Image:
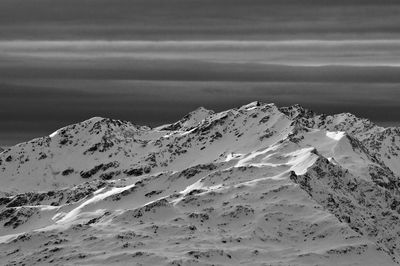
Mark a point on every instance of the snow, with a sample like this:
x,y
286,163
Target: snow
x,y
8,238
335,135
52,135
301,160
253,185
72,215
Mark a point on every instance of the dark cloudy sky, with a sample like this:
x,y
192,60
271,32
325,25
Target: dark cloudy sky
x,y
152,61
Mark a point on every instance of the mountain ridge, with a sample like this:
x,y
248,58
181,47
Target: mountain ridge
x,y
206,177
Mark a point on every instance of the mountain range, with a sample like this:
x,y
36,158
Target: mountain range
x,y
254,185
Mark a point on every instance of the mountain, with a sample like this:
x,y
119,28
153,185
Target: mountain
x,y
254,185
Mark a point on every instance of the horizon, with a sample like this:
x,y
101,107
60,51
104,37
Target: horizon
x,y
382,124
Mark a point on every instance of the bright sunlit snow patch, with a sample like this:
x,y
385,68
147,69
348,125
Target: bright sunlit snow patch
x,y
302,160
98,197
335,135
251,105
47,207
52,135
250,158
7,238
196,185
233,156
187,132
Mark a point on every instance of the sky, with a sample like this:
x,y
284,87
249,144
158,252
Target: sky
x,y
152,61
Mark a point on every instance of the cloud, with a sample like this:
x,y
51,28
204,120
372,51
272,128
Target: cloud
x,y
198,19
284,52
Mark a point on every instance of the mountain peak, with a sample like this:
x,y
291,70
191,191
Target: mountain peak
x,y
252,104
200,112
255,104
188,121
94,119
297,111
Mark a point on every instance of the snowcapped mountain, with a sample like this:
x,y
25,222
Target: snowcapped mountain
x,y
254,185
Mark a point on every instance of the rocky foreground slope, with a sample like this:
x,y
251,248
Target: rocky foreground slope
x,y
255,185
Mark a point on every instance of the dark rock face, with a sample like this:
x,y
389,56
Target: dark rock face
x,y
191,172
138,171
53,198
359,203
14,217
97,168
67,171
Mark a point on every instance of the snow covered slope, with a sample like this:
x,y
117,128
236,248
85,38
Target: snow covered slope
x,y
254,185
